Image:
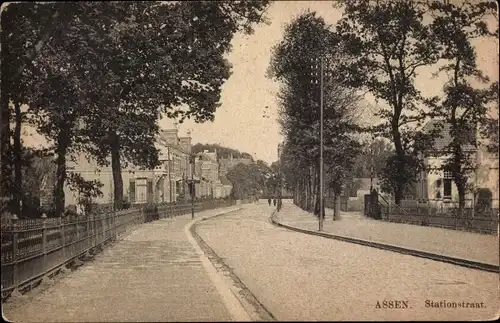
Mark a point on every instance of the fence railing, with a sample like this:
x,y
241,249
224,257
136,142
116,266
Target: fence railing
x,y
34,248
467,219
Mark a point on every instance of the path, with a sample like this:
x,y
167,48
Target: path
x,y
153,274
453,243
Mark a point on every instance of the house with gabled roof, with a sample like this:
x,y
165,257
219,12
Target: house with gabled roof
x,y
227,187
435,183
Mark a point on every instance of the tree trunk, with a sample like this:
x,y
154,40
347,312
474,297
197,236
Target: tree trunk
x,y
400,165
308,192
61,150
117,171
5,162
314,195
336,206
17,187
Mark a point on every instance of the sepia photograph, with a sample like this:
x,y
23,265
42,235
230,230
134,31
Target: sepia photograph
x,y
249,160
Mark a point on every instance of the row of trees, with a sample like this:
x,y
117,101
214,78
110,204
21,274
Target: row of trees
x,y
222,152
293,64
95,77
256,179
379,47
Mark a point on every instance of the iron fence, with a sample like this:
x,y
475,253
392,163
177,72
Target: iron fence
x,y
448,216
34,248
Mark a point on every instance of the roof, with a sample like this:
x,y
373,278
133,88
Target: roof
x,y
443,138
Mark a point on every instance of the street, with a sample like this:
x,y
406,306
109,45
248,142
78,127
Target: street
x,y
302,277
157,273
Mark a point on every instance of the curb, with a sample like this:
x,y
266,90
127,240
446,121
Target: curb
x,y
254,310
411,252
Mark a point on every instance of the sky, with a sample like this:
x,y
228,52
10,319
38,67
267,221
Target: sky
x,y
240,123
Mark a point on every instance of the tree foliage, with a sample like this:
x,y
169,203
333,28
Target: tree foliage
x,y
372,159
98,75
307,37
463,107
222,152
247,181
387,42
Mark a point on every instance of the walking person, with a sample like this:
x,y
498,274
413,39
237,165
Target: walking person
x,y
269,201
274,202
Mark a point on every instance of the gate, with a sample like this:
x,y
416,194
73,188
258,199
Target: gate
x,y
344,203
372,208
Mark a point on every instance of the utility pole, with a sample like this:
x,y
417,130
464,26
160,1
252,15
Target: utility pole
x,y
192,186
371,166
321,175
321,148
169,175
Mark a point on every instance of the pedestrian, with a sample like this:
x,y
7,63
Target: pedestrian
x,y
274,202
269,201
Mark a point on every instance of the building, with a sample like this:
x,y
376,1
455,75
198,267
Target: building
x,y
208,166
227,187
225,164
436,186
166,183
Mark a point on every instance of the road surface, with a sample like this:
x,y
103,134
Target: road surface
x,y
302,277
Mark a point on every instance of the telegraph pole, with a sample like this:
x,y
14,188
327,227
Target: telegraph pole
x,y
192,186
321,179
321,148
169,176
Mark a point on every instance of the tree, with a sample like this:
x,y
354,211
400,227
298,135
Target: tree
x,y
463,107
387,41
247,180
291,64
143,58
168,59
374,154
222,151
23,36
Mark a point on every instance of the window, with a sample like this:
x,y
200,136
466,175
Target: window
x,y
131,190
149,191
447,185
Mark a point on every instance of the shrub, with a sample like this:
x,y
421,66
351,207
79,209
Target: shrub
x,y
484,199
126,204
150,212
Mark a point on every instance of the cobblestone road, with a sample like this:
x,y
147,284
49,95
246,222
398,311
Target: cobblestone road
x,y
460,244
153,274
302,277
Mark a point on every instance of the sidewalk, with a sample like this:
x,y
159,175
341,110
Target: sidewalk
x,y
153,274
458,244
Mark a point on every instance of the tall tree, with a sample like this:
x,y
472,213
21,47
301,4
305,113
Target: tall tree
x,y
164,58
307,37
464,107
388,42
26,28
